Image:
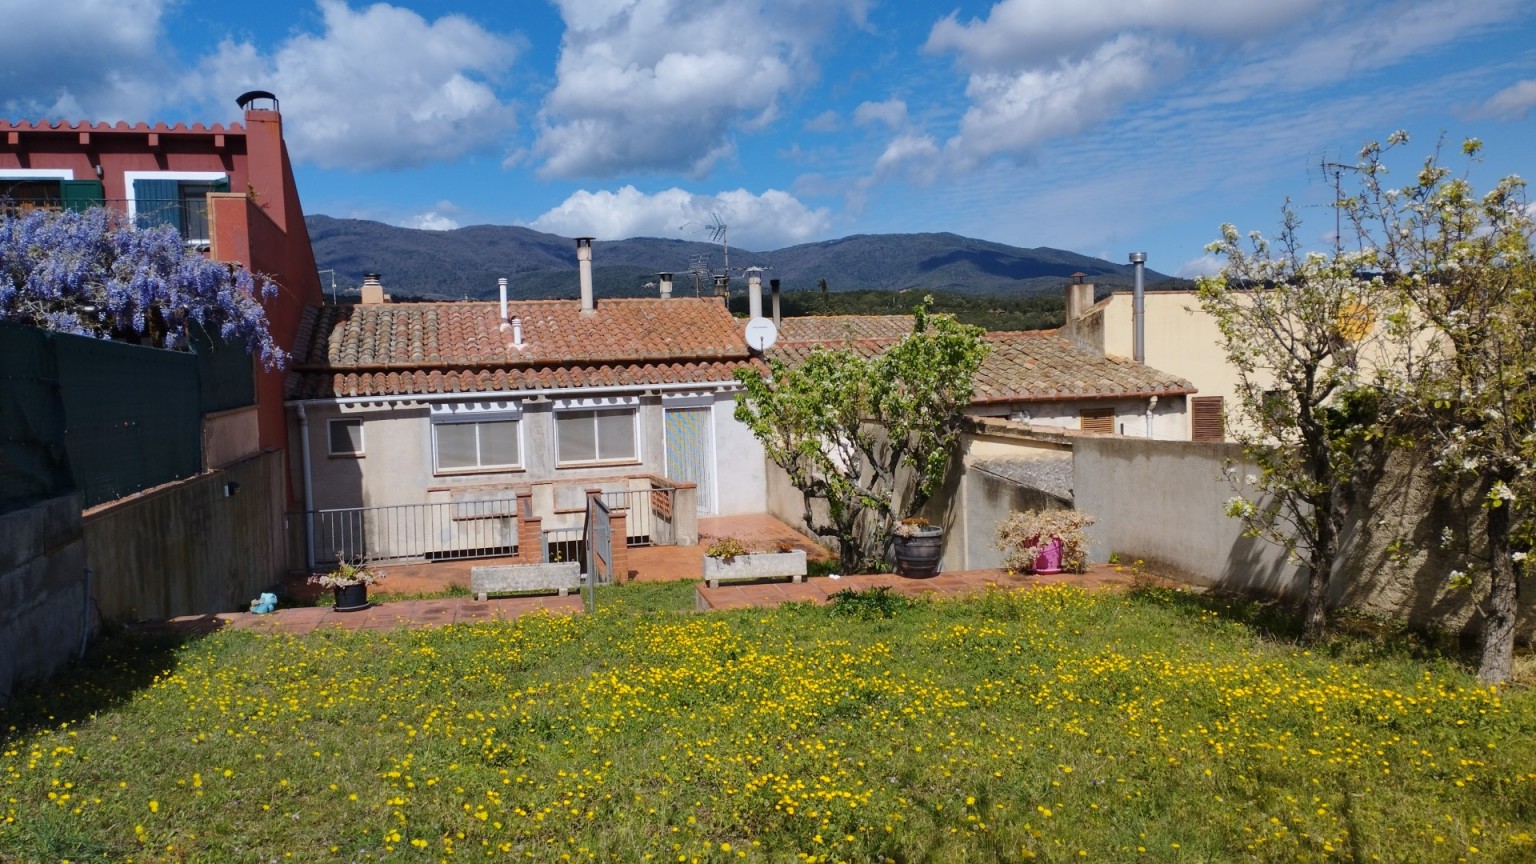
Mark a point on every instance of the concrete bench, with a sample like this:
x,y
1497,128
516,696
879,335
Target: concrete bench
x,y
562,576
755,565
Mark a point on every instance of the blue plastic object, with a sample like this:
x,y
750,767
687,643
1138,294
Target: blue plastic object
x,y
264,604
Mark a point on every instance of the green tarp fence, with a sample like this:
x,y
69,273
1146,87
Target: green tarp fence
x,y
106,418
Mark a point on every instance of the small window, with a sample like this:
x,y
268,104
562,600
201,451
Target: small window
x,y
1096,420
477,446
1206,422
346,437
596,436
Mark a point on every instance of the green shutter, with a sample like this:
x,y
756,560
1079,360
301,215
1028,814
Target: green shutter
x,y
221,184
82,194
157,202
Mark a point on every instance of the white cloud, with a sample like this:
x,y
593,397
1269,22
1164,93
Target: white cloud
x,y
379,88
1014,111
1030,32
767,221
1513,102
662,84
439,218
891,112
82,60
910,157
1205,265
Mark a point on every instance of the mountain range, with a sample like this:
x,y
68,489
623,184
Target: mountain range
x,y
466,262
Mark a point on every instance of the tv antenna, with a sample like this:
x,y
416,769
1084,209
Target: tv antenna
x,y
698,268
1330,169
719,232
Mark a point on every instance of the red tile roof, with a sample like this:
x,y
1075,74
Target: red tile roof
x,y
1028,366
420,348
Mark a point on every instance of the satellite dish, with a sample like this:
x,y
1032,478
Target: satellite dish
x,y
761,334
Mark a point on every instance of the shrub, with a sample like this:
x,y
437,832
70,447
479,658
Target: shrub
x,y
1022,534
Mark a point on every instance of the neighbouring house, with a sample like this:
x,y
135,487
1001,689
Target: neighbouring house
x,y
1035,377
441,410
1178,336
228,190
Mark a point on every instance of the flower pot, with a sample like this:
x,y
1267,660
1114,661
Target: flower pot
x,y
1048,559
351,598
917,557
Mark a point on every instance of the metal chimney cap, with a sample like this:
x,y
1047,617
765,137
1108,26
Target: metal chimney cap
x,y
1138,257
245,99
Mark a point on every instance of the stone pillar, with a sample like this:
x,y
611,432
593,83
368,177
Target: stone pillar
x,y
685,514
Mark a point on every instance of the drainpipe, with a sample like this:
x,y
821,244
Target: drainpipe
x,y
309,491
1139,308
85,615
1151,404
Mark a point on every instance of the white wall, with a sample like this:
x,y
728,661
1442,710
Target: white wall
x,y
1170,421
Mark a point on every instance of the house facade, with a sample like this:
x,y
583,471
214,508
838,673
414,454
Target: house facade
x,y
422,404
228,190
1035,377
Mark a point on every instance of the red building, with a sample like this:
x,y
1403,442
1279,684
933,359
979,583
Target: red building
x,y
228,190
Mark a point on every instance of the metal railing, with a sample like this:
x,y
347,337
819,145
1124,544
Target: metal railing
x,y
189,216
564,544
422,532
648,514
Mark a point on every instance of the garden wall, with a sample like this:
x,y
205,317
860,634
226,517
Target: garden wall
x,y
188,547
43,602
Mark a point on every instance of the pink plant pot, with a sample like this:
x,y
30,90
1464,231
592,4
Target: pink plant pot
x,y
1048,559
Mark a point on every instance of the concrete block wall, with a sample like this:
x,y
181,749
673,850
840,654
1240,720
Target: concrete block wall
x,y
43,601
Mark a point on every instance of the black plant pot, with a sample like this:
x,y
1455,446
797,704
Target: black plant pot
x,y
352,598
917,557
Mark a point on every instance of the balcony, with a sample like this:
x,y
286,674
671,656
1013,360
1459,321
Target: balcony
x,y
187,214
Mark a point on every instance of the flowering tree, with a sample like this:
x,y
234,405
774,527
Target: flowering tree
x,y
1294,325
1464,264
88,273
870,436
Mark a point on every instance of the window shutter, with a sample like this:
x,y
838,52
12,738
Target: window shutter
x,y
1097,420
221,185
82,194
1206,423
157,202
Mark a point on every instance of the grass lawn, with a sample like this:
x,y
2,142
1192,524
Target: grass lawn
x,y
1045,725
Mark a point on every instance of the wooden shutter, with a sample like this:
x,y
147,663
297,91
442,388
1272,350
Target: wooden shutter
x,y
157,202
82,194
1206,422
1097,420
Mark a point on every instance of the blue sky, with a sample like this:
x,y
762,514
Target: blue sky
x,y
1099,126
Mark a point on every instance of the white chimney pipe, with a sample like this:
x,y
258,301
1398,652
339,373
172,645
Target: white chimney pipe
x,y
502,284
666,285
517,332
754,292
584,262
1139,308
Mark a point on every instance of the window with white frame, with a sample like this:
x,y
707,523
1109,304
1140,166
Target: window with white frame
x,y
476,436
346,436
175,198
477,445
596,435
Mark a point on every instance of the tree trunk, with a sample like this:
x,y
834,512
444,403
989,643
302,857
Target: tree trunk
x,y
1497,661
1319,569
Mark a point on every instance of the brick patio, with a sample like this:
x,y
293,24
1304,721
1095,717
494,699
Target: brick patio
x,y
646,564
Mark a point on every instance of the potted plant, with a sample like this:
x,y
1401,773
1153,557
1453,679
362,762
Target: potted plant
x,y
728,559
918,546
1044,541
350,581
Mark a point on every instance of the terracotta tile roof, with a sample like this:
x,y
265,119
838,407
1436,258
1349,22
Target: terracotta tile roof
x,y
1029,366
843,328
419,348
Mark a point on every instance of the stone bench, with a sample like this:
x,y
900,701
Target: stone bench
x,y
755,565
562,576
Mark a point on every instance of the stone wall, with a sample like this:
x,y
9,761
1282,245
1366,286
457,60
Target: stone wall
x,y
43,599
